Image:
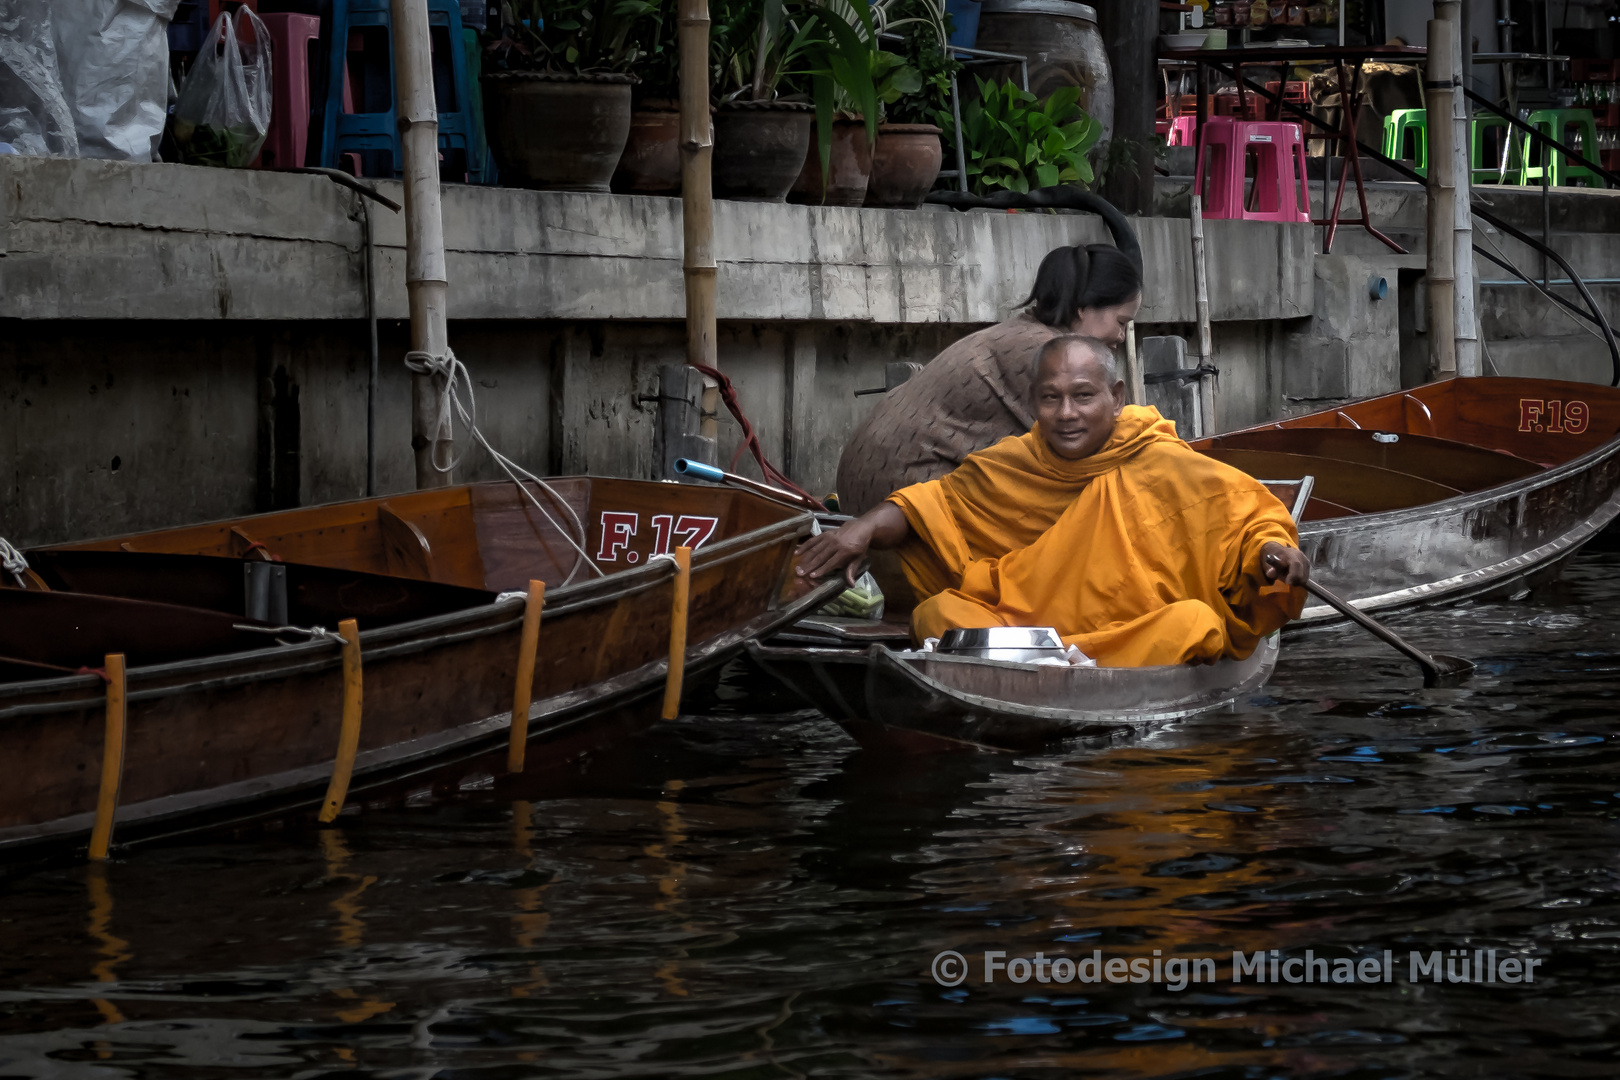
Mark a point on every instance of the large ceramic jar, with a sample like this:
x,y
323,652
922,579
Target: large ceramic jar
x,y
849,169
905,164
557,132
759,149
1064,47
651,163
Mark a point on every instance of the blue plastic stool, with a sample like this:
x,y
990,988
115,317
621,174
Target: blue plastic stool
x,y
372,130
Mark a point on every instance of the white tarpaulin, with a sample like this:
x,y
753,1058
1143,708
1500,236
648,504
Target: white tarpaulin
x,y
84,78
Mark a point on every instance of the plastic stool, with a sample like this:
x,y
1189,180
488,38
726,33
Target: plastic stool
x,y
1397,126
1488,170
373,130
1278,151
1184,131
1556,167
292,78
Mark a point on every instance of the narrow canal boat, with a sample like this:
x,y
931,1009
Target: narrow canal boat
x,y
244,715
1467,488
882,694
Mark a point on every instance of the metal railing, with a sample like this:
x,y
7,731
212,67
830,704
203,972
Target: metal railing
x,y
1592,314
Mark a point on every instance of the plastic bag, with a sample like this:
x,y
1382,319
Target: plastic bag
x,y
34,114
863,601
223,112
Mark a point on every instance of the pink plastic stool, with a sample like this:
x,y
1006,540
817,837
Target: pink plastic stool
x,y
1184,131
292,50
1274,152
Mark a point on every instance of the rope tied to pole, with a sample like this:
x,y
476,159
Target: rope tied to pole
x,y
446,372
12,561
772,474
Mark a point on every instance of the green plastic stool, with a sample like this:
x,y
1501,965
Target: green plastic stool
x,y
1408,122
1556,167
1488,171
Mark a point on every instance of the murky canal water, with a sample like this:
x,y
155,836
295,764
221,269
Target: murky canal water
x,y
758,898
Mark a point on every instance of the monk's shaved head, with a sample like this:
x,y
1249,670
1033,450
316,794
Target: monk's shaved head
x,y
1076,395
1054,351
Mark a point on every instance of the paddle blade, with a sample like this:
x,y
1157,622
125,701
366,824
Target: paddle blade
x,y
1446,670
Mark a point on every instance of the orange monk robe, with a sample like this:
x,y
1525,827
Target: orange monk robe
x,y
1146,552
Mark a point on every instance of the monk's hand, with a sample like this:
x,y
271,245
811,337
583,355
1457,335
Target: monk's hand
x,y
1285,563
842,548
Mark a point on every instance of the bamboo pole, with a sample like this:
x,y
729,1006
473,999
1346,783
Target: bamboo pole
x,y
426,283
1206,346
1439,84
697,190
523,688
112,760
677,632
337,791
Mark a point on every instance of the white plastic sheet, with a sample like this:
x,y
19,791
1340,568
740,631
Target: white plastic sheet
x,y
34,114
113,56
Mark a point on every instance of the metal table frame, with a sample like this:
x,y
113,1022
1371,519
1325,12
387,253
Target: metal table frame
x,y
1347,62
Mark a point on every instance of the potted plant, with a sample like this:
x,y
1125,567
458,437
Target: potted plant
x,y
914,90
846,65
651,162
762,119
1015,142
557,89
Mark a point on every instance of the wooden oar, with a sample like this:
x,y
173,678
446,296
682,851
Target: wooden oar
x,y
1437,667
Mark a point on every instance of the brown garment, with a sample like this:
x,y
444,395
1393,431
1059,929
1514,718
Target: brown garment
x,y
967,398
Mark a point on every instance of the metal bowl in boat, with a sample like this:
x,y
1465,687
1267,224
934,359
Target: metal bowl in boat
x,y
1017,643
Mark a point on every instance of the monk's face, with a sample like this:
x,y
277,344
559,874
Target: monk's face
x,y
1075,403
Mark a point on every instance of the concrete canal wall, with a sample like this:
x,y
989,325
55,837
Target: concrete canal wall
x,y
181,344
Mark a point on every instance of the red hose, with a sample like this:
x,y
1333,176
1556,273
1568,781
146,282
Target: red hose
x,y
771,473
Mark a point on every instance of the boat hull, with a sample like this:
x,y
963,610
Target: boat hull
x,y
214,738
878,693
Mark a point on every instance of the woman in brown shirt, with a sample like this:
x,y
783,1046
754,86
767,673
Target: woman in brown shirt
x,y
976,392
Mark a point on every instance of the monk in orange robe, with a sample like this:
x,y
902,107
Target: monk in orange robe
x,y
1099,522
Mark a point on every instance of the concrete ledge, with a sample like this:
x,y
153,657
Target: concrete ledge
x,y
110,240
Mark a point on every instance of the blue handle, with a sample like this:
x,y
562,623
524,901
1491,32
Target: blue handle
x,y
688,467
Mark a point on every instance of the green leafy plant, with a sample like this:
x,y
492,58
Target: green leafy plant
x,y
1016,142
578,37
923,79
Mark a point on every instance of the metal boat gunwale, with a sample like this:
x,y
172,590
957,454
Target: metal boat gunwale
x,y
427,753
385,642
1259,663
1472,583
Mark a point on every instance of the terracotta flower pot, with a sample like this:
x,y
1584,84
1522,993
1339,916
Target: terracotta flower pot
x,y
905,164
557,132
759,149
850,168
651,163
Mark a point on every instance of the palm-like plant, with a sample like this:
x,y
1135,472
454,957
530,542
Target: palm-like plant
x,y
1017,142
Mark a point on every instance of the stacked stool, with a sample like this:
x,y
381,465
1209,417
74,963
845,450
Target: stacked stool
x,y
1278,150
372,130
1557,168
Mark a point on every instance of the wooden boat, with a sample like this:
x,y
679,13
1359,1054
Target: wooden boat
x,y
1461,489
218,729
881,694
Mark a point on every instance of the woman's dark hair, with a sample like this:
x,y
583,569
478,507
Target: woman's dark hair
x,y
1084,276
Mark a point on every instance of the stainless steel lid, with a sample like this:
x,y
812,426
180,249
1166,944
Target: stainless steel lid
x,y
1065,8
1001,637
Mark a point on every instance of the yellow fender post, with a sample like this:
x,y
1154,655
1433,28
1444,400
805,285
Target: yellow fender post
x,y
523,689
349,732
677,633
112,760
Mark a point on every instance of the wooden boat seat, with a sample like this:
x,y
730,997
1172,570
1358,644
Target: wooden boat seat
x,y
69,630
316,595
1366,489
1456,465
